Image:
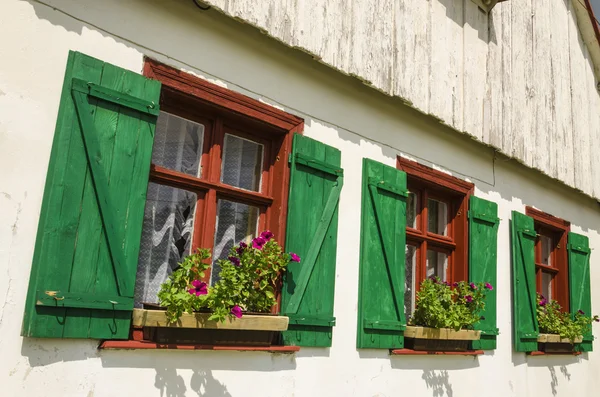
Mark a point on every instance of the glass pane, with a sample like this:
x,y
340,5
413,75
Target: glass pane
x,y
437,211
235,222
409,283
411,210
437,264
166,238
547,285
546,250
178,144
242,163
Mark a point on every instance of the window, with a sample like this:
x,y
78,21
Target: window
x,y
551,258
436,229
217,178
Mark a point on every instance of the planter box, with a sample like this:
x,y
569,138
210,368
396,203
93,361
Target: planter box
x,y
553,338
250,330
439,339
249,322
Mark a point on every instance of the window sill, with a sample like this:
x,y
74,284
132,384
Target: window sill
x,y
538,353
136,345
409,352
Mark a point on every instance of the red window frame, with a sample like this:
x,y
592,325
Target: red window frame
x,y
455,192
221,110
557,229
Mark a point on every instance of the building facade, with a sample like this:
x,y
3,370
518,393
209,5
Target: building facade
x,y
405,139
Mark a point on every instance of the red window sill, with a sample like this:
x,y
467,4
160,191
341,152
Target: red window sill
x,y
133,344
409,352
553,354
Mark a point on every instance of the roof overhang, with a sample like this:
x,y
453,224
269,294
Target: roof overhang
x,y
590,31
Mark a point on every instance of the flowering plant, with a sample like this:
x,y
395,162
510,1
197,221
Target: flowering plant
x,y
552,320
247,281
444,305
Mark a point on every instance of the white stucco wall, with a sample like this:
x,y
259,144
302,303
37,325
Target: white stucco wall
x,y
338,110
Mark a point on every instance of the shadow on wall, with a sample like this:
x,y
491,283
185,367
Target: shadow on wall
x,y
552,363
202,382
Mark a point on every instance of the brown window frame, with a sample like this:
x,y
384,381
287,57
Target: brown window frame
x,y
222,110
456,193
557,229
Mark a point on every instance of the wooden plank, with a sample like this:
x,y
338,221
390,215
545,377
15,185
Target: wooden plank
x,y
83,300
418,332
553,338
475,54
492,102
506,76
446,62
158,318
561,160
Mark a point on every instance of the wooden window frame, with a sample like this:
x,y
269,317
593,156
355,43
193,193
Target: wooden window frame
x,y
456,192
557,229
220,110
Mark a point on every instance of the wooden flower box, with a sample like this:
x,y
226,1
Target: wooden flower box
x,y
250,330
552,343
439,339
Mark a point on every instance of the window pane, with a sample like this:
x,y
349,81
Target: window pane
x,y
546,250
166,238
178,144
235,222
411,210
437,211
437,264
242,163
547,285
409,283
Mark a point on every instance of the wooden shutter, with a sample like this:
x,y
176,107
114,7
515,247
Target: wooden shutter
x,y
483,248
381,319
579,282
84,265
523,237
307,297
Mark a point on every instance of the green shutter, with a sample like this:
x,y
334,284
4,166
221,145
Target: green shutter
x,y
84,265
381,319
579,282
523,237
307,297
483,247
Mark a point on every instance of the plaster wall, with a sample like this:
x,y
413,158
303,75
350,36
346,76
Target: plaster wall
x,y
339,111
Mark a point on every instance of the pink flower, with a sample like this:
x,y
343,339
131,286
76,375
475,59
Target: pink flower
x,y
489,286
472,285
267,235
241,248
469,298
259,243
200,288
236,311
543,302
294,257
234,260
455,284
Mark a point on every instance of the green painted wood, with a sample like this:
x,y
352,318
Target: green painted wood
x,y
580,296
525,323
83,300
483,250
72,251
308,290
115,96
382,268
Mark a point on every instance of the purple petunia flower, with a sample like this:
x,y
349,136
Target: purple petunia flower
x,y
234,260
259,243
455,284
489,286
543,302
294,257
236,311
267,235
241,248
434,279
472,285
580,312
469,298
200,288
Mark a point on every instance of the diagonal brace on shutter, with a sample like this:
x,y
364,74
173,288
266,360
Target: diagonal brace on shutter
x,y
113,230
315,247
532,305
375,184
